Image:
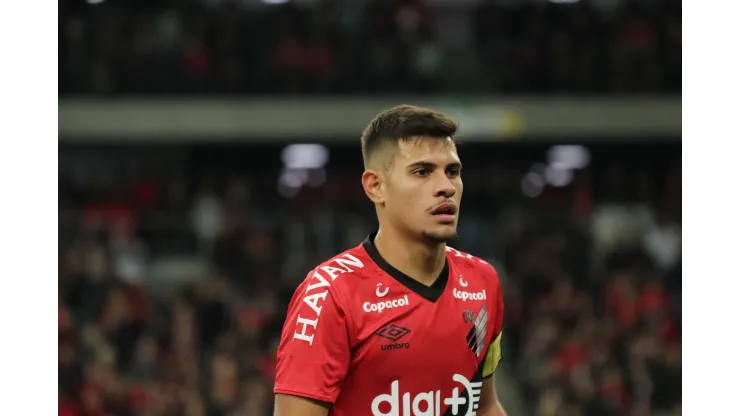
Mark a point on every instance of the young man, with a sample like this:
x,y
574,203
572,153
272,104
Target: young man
x,y
402,324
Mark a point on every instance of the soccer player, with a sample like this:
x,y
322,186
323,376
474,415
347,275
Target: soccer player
x,y
400,325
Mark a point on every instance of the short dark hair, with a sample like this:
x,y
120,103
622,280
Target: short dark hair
x,y
403,122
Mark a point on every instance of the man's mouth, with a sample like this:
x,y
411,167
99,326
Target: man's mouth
x,y
445,211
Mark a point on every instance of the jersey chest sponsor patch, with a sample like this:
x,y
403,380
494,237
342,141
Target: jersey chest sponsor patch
x,y
461,398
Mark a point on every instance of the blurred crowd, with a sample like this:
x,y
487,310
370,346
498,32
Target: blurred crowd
x,y
112,47
173,288
596,333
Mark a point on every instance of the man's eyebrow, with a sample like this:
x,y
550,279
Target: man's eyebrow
x,y
422,164
431,165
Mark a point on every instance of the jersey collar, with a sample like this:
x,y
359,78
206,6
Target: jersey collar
x,y
431,293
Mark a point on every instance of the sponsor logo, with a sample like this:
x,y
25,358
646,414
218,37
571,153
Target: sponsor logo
x,y
465,296
388,304
380,293
396,346
468,315
429,403
316,292
477,335
394,333
463,283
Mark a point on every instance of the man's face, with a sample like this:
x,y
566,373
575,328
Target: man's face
x,y
423,188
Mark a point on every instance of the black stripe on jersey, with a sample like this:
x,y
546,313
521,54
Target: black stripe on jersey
x,y
469,401
477,334
430,293
472,338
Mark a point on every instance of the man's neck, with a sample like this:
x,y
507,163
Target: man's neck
x,y
423,262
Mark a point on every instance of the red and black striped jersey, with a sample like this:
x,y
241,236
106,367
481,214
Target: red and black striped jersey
x,y
371,340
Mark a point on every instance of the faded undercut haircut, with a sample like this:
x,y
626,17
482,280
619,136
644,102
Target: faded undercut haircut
x,y
404,122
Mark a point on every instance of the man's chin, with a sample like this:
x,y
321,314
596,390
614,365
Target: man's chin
x,y
440,236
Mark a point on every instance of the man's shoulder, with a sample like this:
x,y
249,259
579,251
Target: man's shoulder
x,y
342,271
472,263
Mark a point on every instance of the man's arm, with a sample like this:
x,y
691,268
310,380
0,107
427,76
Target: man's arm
x,y
314,352
489,404
287,405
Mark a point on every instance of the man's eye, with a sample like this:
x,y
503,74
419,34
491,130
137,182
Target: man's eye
x,y
421,172
453,172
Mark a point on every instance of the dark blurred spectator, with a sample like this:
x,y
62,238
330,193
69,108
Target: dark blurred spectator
x,y
144,365
207,216
663,243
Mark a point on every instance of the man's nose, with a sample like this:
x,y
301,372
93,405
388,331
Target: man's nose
x,y
446,188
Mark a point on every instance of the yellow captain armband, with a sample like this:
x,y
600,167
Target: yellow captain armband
x,y
493,356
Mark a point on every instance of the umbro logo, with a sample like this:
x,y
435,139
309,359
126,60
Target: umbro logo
x,y
394,333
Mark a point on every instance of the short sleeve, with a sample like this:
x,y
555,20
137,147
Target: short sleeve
x,y
313,356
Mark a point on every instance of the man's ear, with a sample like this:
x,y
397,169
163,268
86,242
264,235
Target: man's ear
x,y
372,183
